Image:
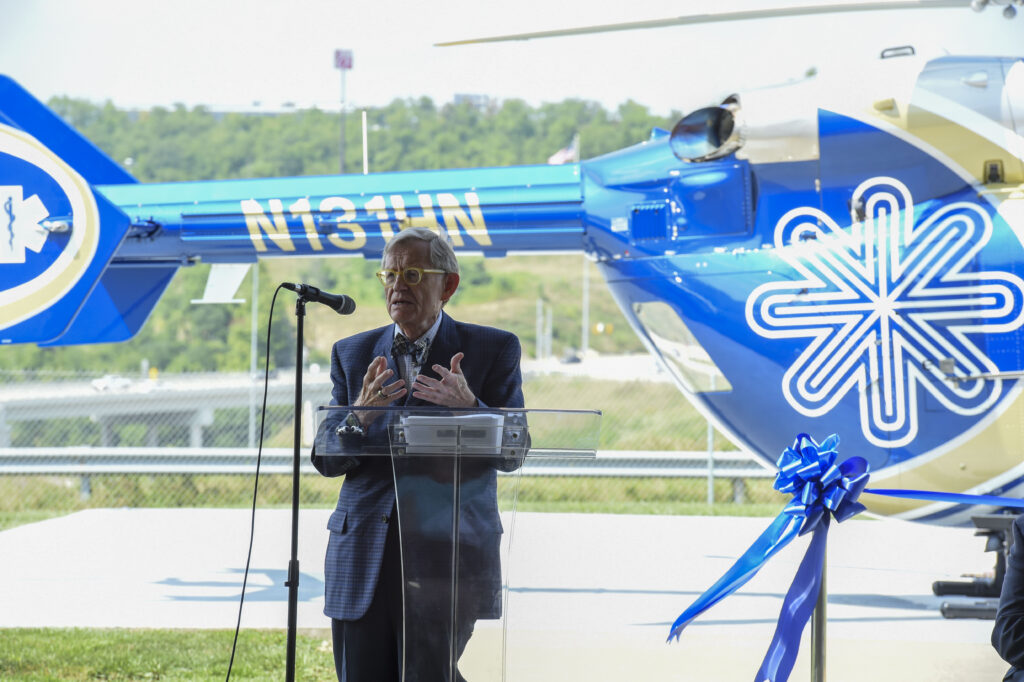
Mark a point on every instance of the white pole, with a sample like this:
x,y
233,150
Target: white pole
x,y
366,158
711,456
548,334
711,464
253,350
540,329
585,340
342,160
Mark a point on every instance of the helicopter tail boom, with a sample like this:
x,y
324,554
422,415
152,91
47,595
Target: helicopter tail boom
x,y
86,251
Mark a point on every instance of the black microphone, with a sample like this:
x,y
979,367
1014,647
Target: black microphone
x,y
340,302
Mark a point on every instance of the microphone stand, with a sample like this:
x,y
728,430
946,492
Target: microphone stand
x,y
293,564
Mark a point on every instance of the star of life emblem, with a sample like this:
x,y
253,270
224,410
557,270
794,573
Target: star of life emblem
x,y
882,302
38,270
20,224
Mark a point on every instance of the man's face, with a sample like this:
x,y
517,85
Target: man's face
x,y
414,308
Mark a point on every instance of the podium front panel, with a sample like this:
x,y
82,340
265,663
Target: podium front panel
x,y
455,534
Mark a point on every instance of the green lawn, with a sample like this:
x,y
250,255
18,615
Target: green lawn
x,y
32,654
10,519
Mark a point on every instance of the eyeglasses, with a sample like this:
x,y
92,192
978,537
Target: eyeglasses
x,y
412,276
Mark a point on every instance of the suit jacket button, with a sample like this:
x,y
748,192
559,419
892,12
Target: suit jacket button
x,y
383,518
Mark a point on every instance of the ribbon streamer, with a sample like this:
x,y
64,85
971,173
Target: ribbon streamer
x,y
821,490
796,611
960,498
781,531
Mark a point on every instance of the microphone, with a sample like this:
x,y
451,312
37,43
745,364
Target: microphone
x,y
341,303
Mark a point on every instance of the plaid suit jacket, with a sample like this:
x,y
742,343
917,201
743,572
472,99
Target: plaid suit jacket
x,y
358,526
1008,631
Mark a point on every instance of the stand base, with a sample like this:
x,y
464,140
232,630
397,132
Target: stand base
x,y
982,610
995,527
979,587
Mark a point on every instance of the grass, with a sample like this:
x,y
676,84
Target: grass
x,y
551,494
636,416
595,495
11,519
608,495
667,508
37,654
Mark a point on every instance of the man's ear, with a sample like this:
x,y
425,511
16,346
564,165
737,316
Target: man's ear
x,y
451,283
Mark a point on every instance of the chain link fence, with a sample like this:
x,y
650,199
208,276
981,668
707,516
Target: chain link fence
x,y
71,426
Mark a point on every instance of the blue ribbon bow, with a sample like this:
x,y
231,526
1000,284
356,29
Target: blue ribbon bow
x,y
821,490
819,487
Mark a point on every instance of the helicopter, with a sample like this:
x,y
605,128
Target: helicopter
x,y
807,257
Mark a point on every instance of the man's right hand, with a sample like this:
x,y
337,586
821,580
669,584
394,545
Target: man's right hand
x,y
375,392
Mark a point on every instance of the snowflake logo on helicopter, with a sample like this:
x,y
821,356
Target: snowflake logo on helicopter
x,y
889,306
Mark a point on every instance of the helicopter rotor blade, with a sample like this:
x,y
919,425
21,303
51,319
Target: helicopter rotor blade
x,y
718,17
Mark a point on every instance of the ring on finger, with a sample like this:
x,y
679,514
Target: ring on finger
x,y
381,394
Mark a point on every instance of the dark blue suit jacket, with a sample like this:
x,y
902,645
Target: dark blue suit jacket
x,y
359,524
1008,633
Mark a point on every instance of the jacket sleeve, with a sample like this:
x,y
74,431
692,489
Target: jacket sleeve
x,y
1008,633
504,388
327,440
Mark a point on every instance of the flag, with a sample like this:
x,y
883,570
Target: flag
x,y
570,154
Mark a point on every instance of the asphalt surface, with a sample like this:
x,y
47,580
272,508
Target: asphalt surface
x,y
591,596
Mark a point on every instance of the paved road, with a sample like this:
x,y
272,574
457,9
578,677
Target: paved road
x,y
591,595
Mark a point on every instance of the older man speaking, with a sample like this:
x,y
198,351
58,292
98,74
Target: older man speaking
x,y
424,358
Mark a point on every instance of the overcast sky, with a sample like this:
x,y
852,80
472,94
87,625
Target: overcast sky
x,y
139,53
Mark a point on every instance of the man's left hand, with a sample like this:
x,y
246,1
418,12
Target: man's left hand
x,y
451,391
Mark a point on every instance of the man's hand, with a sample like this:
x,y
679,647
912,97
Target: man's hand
x,y
375,393
451,391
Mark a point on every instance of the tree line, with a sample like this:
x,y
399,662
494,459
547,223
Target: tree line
x,y
166,145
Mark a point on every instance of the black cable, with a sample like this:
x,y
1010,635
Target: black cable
x,y
256,483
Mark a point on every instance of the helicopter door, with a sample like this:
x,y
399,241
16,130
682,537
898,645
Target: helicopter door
x,y
968,108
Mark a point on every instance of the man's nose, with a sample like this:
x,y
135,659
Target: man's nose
x,y
400,283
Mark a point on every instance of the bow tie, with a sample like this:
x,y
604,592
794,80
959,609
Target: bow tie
x,y
403,346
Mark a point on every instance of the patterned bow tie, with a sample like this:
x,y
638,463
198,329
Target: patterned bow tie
x,y
403,346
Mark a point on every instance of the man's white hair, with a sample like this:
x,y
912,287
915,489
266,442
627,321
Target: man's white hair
x,y
442,255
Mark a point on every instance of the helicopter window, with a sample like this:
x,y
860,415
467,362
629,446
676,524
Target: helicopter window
x,y
704,135
680,350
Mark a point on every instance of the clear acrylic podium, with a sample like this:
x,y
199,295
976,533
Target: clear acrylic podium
x,y
455,550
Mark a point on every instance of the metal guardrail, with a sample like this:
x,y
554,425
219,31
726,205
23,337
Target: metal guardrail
x,y
85,461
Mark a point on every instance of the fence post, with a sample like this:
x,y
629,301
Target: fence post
x,y
739,491
540,329
711,464
5,429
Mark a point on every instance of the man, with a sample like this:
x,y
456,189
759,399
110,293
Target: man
x,y
424,358
1008,633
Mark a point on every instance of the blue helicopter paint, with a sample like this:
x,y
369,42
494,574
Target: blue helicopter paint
x,y
787,308
843,276
492,210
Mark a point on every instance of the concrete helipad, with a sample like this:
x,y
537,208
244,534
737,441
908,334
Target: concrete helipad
x,y
591,595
